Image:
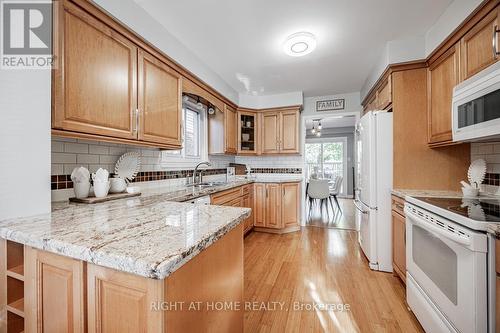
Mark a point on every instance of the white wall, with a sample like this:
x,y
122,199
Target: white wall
x,y
420,47
25,142
136,18
271,101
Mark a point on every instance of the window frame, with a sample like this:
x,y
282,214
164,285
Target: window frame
x,y
170,160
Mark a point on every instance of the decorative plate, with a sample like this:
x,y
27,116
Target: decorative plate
x,y
128,165
476,173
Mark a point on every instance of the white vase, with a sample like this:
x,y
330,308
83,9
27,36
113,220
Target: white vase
x,y
81,189
101,189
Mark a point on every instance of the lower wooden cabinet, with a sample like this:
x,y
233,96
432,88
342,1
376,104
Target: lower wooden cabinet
x,y
277,206
398,238
122,302
54,293
248,203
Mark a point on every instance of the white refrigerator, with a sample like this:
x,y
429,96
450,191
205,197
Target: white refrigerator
x,y
373,188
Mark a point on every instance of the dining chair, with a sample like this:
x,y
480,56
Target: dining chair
x,y
335,190
318,189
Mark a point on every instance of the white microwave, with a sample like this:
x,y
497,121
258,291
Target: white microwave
x,y
476,107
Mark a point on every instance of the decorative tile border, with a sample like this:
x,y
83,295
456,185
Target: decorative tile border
x,y
277,170
492,179
60,182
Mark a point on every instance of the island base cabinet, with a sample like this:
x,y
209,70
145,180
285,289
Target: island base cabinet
x,y
54,293
122,302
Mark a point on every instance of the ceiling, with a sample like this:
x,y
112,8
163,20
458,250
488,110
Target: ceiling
x,y
332,122
242,40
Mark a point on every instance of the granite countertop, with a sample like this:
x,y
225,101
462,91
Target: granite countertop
x,y
187,193
146,236
402,193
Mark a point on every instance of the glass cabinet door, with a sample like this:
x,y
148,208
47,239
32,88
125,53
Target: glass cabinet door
x,y
247,139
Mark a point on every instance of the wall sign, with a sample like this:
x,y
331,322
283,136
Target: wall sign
x,y
330,105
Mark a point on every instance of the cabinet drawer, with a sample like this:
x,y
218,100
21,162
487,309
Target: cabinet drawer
x,y
225,196
398,205
245,189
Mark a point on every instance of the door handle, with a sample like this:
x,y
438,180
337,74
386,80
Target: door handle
x,y
359,208
495,41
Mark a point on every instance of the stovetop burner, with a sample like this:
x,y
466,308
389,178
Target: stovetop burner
x,y
478,209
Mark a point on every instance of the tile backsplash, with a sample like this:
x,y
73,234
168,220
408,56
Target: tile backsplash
x,y
490,152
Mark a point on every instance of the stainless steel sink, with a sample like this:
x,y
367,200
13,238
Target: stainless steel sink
x,y
206,184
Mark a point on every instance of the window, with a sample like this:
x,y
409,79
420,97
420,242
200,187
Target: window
x,y
194,141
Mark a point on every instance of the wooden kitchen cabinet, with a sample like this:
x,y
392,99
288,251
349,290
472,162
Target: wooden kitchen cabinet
x,y
248,132
477,51
247,202
399,245
384,94
54,293
160,105
95,81
442,76
106,87
277,207
280,131
270,132
230,130
122,302
259,205
289,132
290,212
273,206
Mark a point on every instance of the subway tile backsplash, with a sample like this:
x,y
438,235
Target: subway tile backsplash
x,y
490,152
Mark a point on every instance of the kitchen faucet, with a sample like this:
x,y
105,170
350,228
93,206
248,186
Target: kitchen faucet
x,y
196,169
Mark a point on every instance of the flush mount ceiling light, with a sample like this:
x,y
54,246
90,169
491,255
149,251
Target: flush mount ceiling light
x,y
299,44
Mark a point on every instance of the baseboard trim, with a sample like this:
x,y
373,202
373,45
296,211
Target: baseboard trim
x,y
277,231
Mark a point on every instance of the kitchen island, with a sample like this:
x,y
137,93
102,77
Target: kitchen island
x,y
140,264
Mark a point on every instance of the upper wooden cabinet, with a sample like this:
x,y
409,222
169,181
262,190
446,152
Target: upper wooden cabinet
x,y
230,130
159,101
280,131
270,132
106,87
248,129
380,98
222,131
442,76
95,81
479,46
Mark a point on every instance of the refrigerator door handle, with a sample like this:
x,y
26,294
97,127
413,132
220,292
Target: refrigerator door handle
x,y
359,208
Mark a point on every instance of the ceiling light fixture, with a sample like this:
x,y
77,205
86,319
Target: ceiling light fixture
x,y
299,44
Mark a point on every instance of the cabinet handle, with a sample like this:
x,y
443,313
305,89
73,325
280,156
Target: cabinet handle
x,y
136,121
494,42
267,194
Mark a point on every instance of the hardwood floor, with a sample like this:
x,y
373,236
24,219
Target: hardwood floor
x,y
325,216
325,266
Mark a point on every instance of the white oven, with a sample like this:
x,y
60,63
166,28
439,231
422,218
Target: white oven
x,y
446,273
476,106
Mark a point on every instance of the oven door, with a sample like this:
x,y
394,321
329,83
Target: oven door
x,y
451,274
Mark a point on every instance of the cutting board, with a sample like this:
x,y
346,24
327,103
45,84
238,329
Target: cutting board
x,y
109,197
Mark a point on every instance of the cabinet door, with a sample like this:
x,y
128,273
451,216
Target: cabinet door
x,y
122,302
273,206
230,130
247,133
248,203
399,244
476,46
443,75
270,132
160,92
289,132
95,81
290,204
54,293
260,205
